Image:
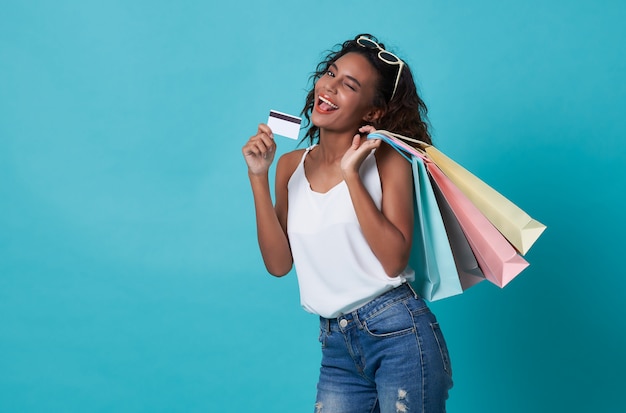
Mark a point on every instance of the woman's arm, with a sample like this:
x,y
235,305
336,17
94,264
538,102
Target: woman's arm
x,y
388,231
271,221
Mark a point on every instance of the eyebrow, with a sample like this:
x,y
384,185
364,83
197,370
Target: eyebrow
x,y
348,76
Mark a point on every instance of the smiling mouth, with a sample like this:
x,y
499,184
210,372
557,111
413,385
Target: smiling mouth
x,y
326,105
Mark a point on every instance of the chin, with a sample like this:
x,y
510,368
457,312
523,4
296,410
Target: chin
x,y
316,121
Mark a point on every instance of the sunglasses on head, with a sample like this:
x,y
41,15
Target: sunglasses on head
x,y
385,56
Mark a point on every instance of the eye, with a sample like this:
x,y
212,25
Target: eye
x,y
330,73
350,86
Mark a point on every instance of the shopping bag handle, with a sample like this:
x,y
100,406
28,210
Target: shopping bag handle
x,y
405,138
397,142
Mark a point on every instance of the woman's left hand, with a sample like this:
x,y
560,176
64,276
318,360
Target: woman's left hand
x,y
356,154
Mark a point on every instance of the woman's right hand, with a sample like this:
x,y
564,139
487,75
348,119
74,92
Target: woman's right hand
x,y
259,151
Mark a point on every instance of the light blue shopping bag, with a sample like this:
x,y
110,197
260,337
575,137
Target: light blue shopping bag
x,y
436,275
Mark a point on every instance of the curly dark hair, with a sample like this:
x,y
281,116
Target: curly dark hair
x,y
405,113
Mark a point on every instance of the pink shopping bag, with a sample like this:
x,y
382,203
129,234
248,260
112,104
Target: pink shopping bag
x,y
497,258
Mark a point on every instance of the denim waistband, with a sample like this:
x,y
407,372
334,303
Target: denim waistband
x,y
353,318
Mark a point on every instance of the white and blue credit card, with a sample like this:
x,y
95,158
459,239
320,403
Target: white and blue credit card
x,y
284,124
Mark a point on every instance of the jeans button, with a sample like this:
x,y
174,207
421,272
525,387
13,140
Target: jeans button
x,y
343,323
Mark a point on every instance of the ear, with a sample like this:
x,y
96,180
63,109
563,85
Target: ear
x,y
373,115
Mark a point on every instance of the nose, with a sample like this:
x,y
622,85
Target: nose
x,y
331,85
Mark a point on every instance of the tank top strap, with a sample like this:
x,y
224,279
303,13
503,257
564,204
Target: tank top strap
x,y
304,154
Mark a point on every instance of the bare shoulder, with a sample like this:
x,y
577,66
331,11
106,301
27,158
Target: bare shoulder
x,y
287,164
391,165
396,179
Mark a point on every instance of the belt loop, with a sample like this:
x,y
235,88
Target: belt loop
x,y
357,319
412,290
325,324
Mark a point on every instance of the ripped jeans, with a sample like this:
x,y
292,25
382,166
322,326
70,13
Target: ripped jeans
x,y
387,356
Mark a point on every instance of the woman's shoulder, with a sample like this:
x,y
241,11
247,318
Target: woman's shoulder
x,y
393,169
292,158
388,158
288,163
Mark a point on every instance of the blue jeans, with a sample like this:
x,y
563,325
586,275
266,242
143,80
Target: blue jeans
x,y
387,356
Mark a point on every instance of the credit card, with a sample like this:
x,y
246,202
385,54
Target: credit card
x,y
284,124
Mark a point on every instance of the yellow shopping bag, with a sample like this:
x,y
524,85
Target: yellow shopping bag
x,y
516,225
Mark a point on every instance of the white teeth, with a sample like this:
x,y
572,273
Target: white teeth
x,y
329,103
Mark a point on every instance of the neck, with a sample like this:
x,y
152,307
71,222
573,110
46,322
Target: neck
x,y
333,145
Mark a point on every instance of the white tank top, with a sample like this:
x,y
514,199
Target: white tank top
x,y
336,268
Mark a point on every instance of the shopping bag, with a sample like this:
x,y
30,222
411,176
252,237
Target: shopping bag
x,y
516,225
494,254
468,269
436,276
467,265
499,261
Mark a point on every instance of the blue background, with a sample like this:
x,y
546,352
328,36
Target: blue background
x,y
130,279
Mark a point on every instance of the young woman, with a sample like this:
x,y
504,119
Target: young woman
x,y
343,214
